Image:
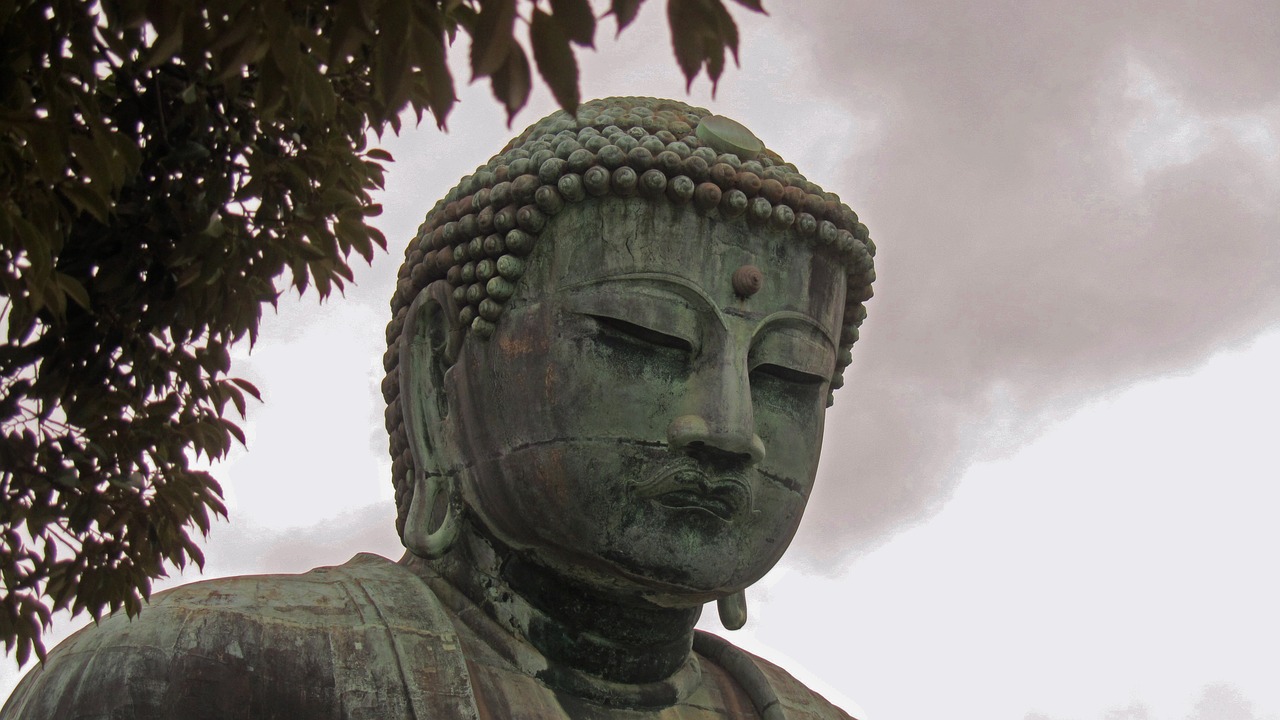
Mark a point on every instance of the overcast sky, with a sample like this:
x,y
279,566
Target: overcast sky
x,y
1049,487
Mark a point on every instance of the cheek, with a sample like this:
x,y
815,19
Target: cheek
x,y
779,511
792,441
547,493
597,388
507,389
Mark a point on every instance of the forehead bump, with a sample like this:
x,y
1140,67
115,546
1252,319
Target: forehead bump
x,y
747,281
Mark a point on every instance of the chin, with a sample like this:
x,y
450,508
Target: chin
x,y
618,517
688,557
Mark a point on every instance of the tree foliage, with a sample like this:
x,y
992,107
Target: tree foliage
x,y
163,167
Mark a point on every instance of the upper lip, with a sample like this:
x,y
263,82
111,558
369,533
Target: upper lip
x,y
685,484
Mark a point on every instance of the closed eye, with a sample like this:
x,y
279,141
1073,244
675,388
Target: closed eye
x,y
643,334
786,374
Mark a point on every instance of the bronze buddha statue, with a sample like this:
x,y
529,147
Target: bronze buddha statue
x,y
610,356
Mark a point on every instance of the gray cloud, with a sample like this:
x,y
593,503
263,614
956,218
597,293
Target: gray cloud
x,y
250,548
1135,711
1221,701
1216,701
1036,248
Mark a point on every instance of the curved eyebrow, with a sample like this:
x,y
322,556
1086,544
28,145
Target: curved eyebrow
x,y
791,317
682,287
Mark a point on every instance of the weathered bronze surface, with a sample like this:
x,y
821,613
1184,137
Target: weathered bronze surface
x,y
610,358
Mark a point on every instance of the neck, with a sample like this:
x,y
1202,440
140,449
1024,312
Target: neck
x,y
575,627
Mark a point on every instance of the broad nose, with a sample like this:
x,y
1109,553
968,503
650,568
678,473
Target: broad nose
x,y
695,435
722,422
718,420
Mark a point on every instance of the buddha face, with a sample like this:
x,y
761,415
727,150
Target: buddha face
x,y
637,423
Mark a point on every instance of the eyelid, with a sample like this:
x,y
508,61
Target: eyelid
x,y
644,334
793,349
791,375
651,310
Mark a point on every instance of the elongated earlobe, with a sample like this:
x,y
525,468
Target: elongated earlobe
x,y
419,537
733,610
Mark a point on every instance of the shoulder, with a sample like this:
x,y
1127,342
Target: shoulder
x,y
796,699
265,646
773,691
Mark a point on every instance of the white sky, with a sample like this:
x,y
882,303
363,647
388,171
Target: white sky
x,y
1049,490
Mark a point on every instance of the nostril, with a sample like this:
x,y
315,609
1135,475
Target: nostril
x,y
693,435
717,457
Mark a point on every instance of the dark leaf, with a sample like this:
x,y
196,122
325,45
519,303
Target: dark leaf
x,y
458,15
576,20
688,28
625,12
235,430
492,37
237,399
348,33
700,32
511,84
94,164
555,60
435,65
754,5
248,387
236,57
726,36
392,70
87,199
24,650
73,289
49,148
166,45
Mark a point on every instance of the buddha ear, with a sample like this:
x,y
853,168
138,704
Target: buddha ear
x,y
428,347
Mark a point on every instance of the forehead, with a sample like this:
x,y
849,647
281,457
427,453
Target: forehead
x,y
627,239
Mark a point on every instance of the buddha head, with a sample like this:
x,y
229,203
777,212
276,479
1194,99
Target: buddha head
x,y
613,346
